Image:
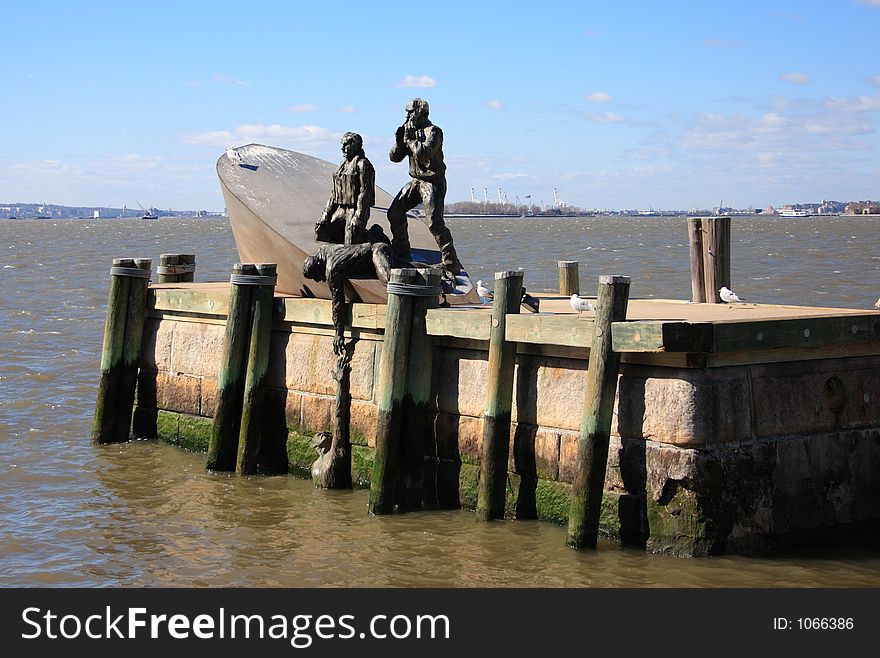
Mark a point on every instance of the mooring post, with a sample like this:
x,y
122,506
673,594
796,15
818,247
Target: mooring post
x,y
569,281
695,242
716,256
495,448
595,430
120,353
262,301
418,418
223,444
176,268
391,384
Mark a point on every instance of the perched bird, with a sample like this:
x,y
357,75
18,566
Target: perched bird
x,y
727,295
234,155
484,293
580,305
877,304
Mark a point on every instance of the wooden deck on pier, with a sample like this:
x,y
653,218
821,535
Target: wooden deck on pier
x,y
686,334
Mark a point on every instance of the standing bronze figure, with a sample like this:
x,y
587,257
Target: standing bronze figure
x,y
354,190
422,142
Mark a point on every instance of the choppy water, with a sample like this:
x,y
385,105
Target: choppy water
x,y
143,513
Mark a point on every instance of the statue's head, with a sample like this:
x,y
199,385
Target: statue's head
x,y
417,108
352,144
314,267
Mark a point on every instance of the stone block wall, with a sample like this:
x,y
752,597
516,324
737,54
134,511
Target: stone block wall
x,y
702,460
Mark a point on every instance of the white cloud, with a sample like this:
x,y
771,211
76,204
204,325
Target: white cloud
x,y
869,3
229,80
860,104
417,82
302,107
275,134
509,176
495,104
796,78
599,97
348,108
602,117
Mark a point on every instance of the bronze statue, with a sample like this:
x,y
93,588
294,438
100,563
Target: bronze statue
x,y
334,263
422,142
345,217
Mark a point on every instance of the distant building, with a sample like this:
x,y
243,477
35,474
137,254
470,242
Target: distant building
x,y
863,208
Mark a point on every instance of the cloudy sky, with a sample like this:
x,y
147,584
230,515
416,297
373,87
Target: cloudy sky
x,y
618,105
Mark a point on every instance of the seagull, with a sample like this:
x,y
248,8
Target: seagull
x,y
234,155
729,296
580,305
877,304
484,293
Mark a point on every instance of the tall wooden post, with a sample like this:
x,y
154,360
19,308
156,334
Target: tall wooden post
x,y
695,243
250,434
120,354
495,448
176,268
223,444
595,429
418,418
716,256
569,282
391,384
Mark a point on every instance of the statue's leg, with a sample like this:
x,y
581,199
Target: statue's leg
x,y
407,199
382,261
355,228
433,198
334,229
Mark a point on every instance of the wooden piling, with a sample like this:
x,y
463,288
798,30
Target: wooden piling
x,y
495,449
569,281
418,418
250,433
716,256
223,444
120,353
176,268
595,429
695,242
391,384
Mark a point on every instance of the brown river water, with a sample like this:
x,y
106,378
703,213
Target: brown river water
x,y
146,514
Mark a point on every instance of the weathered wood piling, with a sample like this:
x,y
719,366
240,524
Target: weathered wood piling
x,y
569,281
495,449
709,247
695,249
595,429
176,268
418,417
250,434
391,386
223,445
120,353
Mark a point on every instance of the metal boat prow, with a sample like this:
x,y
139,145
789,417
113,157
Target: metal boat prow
x,y
274,197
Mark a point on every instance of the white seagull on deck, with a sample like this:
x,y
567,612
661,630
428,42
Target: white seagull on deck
x,y
580,305
727,295
484,293
234,155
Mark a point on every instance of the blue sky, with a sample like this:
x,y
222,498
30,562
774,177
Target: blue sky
x,y
617,105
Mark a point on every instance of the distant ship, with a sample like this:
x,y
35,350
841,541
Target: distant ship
x,y
792,212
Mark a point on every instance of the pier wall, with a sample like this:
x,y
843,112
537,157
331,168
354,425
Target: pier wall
x,y
734,458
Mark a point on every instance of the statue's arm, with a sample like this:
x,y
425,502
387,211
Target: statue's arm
x,y
427,143
367,195
399,150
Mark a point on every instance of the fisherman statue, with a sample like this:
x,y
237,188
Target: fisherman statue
x,y
422,142
345,216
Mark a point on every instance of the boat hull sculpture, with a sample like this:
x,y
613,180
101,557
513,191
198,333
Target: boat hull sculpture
x,y
275,196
